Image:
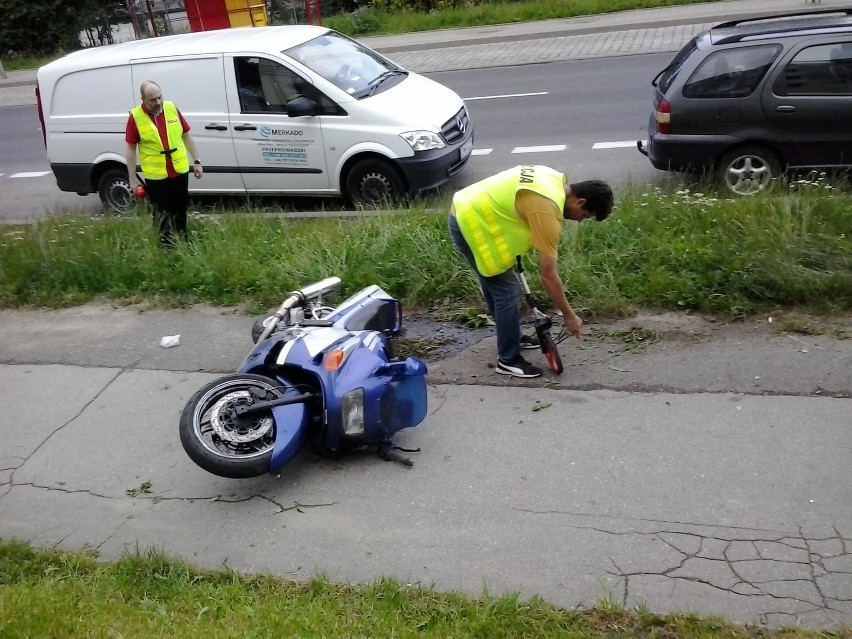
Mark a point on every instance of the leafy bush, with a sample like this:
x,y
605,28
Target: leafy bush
x,y
46,26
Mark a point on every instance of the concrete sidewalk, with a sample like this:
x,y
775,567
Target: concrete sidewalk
x,y
707,474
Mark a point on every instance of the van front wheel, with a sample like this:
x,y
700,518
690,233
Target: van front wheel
x,y
373,182
114,191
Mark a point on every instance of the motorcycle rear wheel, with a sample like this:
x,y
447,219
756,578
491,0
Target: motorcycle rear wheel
x,y
219,441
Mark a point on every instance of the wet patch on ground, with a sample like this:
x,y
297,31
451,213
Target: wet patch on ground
x,y
431,339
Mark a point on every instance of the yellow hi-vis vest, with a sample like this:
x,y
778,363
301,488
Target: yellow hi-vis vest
x,y
489,221
152,155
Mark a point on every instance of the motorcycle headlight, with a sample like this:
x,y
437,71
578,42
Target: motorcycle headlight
x,y
423,140
353,412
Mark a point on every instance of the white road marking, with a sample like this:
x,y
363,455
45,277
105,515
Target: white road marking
x,y
519,149
507,95
614,145
29,174
540,149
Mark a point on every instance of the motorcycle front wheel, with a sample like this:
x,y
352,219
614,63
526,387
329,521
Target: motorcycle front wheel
x,y
222,442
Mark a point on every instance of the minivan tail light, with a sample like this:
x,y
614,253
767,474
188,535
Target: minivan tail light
x,y
663,117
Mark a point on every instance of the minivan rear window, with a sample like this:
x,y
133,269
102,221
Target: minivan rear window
x,y
731,73
668,75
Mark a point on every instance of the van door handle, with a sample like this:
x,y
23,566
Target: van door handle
x,y
245,127
785,108
216,127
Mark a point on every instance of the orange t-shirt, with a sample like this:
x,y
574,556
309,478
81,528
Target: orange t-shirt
x,y
544,219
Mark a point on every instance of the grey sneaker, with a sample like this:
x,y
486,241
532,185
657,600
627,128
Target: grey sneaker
x,y
528,342
518,367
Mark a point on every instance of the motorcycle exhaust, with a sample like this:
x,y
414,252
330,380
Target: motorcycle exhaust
x,y
318,289
311,291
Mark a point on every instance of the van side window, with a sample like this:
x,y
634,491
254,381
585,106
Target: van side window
x,y
825,69
731,73
264,86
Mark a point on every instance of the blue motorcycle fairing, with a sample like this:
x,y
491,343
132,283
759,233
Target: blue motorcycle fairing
x,y
404,401
290,424
255,361
371,309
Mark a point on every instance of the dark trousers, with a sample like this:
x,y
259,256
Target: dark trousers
x,y
169,199
502,295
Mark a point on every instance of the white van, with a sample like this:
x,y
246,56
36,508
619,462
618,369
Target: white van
x,y
289,110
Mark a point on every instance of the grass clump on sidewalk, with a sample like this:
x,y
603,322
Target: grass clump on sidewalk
x,y
678,251
56,594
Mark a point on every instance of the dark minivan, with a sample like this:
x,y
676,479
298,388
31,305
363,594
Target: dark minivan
x,y
751,99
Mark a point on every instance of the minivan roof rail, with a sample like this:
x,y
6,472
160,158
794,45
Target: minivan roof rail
x,y
797,14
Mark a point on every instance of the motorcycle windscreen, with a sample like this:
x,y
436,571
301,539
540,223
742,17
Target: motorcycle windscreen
x,y
404,401
290,423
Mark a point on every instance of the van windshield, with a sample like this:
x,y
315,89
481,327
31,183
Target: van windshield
x,y
348,65
667,75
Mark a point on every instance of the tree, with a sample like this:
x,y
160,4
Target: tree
x,y
41,27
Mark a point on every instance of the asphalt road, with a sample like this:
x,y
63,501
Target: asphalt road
x,y
557,112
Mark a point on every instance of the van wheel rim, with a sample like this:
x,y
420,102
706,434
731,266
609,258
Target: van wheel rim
x,y
119,195
375,186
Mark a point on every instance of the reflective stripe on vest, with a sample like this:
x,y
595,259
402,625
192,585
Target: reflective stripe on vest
x,y
488,219
152,158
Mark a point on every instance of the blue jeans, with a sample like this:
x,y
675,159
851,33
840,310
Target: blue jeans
x,y
502,295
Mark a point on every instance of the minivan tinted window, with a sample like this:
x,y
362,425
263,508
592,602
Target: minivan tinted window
x,y
825,69
668,75
731,73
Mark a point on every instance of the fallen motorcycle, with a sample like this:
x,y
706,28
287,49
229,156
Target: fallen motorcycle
x,y
327,377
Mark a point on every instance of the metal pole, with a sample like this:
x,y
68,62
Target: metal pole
x,y
151,16
131,11
2,71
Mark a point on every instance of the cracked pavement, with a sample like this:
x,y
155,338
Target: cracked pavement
x,y
663,476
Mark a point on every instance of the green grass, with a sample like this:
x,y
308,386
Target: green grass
x,y
15,62
49,594
384,16
679,251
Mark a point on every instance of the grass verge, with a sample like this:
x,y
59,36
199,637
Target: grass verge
x,y
385,17
678,251
145,594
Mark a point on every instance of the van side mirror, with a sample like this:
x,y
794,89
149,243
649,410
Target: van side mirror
x,y
301,107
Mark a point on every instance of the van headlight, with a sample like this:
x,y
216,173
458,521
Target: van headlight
x,y
423,140
353,412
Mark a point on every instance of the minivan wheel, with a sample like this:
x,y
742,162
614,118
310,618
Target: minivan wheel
x,y
373,182
748,170
114,191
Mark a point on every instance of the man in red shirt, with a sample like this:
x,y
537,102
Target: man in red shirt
x,y
158,131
